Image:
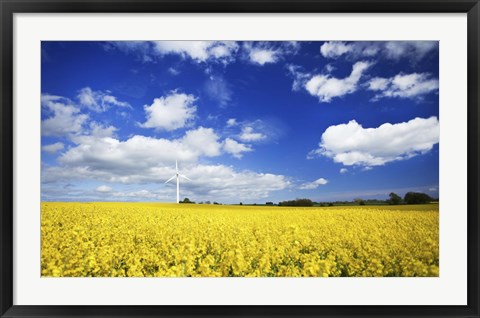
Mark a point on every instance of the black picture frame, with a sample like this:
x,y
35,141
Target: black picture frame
x,y
9,7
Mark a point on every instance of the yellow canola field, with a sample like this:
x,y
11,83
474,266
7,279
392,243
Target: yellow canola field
x,y
151,239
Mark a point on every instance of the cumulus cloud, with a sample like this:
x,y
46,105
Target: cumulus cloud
x,y
224,52
64,117
235,148
98,101
199,51
378,83
343,170
103,189
327,87
219,182
138,160
262,57
139,154
209,182
231,122
170,112
53,148
313,185
202,141
403,85
391,50
141,194
248,134
351,144
262,53
334,49
97,130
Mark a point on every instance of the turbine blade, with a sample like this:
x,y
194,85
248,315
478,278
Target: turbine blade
x,y
170,179
181,175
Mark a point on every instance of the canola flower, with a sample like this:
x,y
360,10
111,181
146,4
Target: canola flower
x,y
171,240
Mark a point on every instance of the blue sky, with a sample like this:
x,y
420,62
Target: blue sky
x,y
247,121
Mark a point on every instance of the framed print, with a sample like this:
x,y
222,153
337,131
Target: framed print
x,y
239,158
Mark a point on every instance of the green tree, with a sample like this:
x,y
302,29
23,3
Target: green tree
x,y
186,200
416,198
359,201
394,199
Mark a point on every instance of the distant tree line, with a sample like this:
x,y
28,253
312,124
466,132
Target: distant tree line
x,y
393,199
187,200
296,202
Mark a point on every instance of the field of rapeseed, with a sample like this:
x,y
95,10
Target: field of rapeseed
x,y
149,239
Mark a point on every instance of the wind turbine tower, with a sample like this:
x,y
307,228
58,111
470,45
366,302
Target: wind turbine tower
x,y
177,175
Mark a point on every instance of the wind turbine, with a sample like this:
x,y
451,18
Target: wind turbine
x,y
177,175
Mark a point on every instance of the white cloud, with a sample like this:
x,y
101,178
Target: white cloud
x,y
262,56
329,68
248,134
391,50
218,182
334,49
413,49
142,50
100,156
209,182
103,189
299,77
98,130
343,170
141,194
199,51
231,122
262,53
98,101
53,148
403,85
138,155
313,185
66,118
235,148
171,112
351,144
257,131
378,83
326,87
203,141
224,52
